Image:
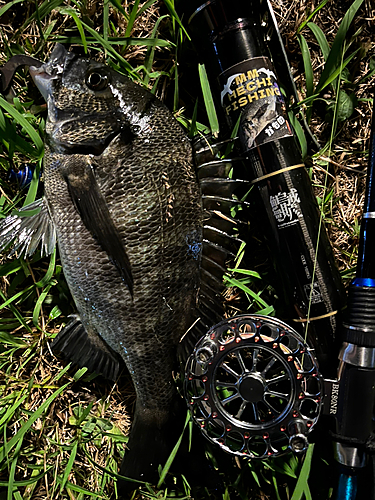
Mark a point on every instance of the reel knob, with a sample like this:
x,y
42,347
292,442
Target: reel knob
x,y
253,387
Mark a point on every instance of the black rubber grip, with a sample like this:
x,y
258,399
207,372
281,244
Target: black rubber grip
x,y
359,324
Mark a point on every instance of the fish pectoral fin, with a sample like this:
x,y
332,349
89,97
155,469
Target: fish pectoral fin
x,y
93,210
26,228
81,348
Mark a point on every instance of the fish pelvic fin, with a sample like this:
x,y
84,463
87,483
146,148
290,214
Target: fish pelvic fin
x,y
76,345
93,210
28,227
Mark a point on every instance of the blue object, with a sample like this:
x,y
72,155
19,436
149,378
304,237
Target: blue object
x,y
347,487
23,177
364,282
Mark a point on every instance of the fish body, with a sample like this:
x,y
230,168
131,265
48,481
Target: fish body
x,y
142,244
123,197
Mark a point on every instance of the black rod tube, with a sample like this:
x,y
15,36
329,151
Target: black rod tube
x,y
231,42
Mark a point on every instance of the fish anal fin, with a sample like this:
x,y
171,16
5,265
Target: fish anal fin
x,y
222,222
75,344
221,204
217,253
225,240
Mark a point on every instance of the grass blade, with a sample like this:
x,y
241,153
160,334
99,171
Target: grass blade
x,y
315,11
300,133
321,39
12,471
33,188
332,77
120,8
15,297
21,120
171,457
242,286
208,100
335,55
5,449
146,6
44,10
26,482
16,314
106,45
91,41
105,19
309,75
12,409
69,11
39,303
302,486
132,18
170,6
247,272
8,6
51,269
69,466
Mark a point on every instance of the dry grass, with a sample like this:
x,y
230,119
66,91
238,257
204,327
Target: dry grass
x,y
349,155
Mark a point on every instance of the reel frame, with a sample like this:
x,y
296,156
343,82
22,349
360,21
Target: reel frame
x,y
253,387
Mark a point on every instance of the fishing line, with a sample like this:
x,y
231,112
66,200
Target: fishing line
x,y
321,208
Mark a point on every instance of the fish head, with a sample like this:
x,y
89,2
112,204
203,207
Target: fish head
x,y
88,103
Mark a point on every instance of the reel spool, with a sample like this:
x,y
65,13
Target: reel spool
x,y
253,387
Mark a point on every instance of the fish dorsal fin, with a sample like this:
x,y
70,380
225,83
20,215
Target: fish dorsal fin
x,y
223,200
221,204
205,149
224,187
222,222
216,168
217,253
94,212
76,345
28,227
225,240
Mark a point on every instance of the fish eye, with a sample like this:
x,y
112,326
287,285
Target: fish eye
x,y
96,80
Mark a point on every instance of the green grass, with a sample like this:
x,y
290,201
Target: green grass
x,y
62,431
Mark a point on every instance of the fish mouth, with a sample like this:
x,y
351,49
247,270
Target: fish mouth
x,y
45,74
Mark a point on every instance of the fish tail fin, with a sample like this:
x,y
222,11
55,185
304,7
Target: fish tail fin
x,y
150,445
151,441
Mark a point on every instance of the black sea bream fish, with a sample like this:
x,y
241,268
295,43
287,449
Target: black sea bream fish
x,y
123,200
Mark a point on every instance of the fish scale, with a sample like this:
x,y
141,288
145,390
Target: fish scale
x,y
159,290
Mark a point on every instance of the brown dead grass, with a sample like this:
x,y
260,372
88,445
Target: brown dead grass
x,y
349,155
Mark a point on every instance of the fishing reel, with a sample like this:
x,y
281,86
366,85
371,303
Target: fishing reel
x,y
253,387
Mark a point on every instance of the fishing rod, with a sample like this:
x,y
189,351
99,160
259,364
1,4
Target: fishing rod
x,y
354,424
256,386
